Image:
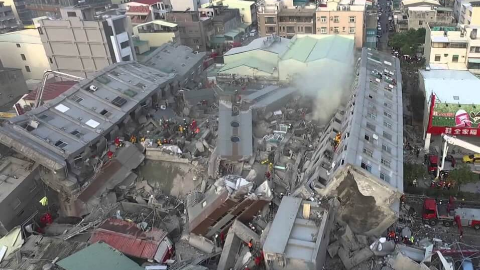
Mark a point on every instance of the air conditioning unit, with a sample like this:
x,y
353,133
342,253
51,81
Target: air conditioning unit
x,y
93,88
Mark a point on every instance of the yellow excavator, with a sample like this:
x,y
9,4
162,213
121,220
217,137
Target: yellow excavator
x,y
6,115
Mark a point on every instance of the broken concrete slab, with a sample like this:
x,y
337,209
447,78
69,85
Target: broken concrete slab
x,y
402,262
356,258
348,240
333,249
362,240
202,243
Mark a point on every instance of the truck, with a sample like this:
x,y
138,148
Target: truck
x,y
450,212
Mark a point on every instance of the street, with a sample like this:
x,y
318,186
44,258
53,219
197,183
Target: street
x,y
382,44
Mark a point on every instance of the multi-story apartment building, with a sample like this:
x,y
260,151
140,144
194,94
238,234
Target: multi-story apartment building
x,y
448,46
285,19
195,32
248,9
157,32
82,43
8,23
142,11
417,14
22,14
51,8
12,88
470,13
342,17
24,50
225,21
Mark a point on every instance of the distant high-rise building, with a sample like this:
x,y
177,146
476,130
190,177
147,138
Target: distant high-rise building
x,y
85,41
51,8
20,11
8,23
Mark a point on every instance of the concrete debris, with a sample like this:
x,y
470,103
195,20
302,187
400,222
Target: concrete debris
x,y
351,260
402,262
348,240
333,249
201,243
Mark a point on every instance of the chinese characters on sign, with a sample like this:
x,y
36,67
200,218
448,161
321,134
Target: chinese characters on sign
x,y
461,131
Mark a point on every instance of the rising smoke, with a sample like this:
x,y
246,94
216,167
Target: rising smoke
x,y
330,86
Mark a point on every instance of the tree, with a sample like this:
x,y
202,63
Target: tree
x,y
413,171
462,174
409,41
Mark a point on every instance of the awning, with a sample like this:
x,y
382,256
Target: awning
x,y
474,60
232,33
216,40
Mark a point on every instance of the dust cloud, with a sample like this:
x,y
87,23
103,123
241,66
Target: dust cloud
x,y
330,86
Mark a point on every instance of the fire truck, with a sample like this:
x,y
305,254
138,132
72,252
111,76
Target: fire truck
x,y
450,212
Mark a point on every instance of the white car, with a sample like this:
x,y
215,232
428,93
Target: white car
x,y
253,33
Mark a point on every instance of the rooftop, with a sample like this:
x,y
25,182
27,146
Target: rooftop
x,y
98,256
234,132
445,84
173,58
408,3
316,47
30,36
296,233
378,100
147,2
12,173
276,45
63,127
51,90
128,239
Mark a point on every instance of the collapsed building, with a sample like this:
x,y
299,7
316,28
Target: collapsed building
x,y
360,155
69,135
230,198
299,234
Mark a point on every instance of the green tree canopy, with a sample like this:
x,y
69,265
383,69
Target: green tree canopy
x,y
413,171
462,174
409,41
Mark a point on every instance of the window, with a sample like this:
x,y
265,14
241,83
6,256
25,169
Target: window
x,y
352,30
351,19
124,44
386,162
61,144
475,49
76,98
118,26
105,113
371,126
387,136
323,30
126,58
368,152
71,14
23,57
455,58
366,167
196,41
386,148
16,203
335,19
323,19
343,29
18,45
335,30
76,133
51,60
27,68
384,176
437,57
40,31
388,105
387,124
387,114
420,22
372,116
367,138
308,30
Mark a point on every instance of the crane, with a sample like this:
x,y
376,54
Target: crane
x,y
454,141
38,97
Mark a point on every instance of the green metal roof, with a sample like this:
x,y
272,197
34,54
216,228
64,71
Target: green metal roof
x,y
232,33
251,62
98,256
308,49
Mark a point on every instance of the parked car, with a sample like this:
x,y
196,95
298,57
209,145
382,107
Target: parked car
x,y
474,158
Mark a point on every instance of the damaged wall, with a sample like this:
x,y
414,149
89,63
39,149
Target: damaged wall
x,y
368,205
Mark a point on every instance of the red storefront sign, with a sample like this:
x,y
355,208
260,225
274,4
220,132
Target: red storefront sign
x,y
453,119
